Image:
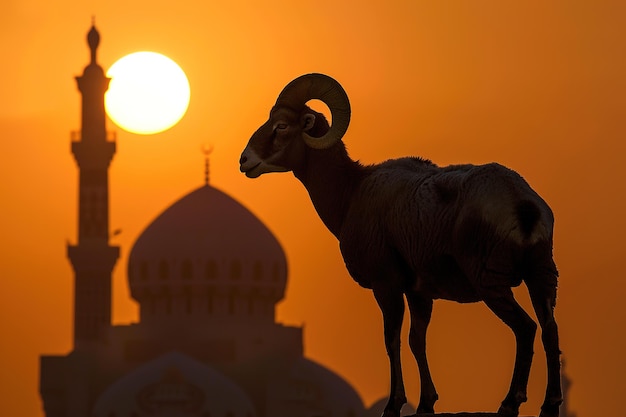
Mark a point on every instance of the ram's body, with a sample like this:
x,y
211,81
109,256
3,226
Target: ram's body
x,y
409,229
428,218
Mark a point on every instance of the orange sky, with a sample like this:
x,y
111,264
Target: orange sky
x,y
538,86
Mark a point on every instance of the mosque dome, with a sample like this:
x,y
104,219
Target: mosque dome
x,y
177,385
207,255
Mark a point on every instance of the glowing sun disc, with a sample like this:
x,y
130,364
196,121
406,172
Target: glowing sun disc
x,y
148,93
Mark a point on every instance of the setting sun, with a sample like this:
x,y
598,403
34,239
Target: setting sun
x,y
148,93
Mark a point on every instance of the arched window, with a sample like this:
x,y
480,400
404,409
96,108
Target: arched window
x,y
188,301
235,270
186,270
164,269
210,271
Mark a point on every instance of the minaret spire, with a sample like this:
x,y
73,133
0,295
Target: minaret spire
x,y
93,40
92,257
207,151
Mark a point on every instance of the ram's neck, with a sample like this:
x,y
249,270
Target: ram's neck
x,y
331,178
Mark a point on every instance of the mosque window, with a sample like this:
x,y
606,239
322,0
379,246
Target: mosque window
x,y
210,271
257,273
143,271
235,270
164,270
186,269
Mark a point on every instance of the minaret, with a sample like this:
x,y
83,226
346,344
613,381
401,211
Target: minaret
x,y
92,257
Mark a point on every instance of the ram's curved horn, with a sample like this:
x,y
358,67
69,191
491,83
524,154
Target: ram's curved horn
x,y
330,92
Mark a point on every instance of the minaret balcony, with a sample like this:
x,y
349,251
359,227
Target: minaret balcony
x,y
88,257
76,136
93,155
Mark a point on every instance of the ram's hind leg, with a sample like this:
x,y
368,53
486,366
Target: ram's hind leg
x,y
500,300
421,309
542,289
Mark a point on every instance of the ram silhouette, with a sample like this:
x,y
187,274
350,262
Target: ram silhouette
x,y
410,229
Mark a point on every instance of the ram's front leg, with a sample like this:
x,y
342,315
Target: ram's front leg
x,y
421,309
391,303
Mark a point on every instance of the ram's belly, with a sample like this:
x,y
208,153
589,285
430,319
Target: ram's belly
x,y
442,278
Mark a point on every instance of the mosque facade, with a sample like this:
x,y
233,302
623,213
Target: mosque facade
x,y
207,276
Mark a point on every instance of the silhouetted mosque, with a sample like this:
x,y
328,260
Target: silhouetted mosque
x,y
207,275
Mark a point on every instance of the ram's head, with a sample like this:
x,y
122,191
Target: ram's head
x,y
280,143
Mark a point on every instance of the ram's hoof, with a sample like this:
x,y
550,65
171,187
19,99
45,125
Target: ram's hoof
x,y
508,411
422,409
550,410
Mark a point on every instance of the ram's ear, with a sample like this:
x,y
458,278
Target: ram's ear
x,y
308,121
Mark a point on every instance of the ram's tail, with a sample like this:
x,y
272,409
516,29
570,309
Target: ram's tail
x,y
534,223
528,216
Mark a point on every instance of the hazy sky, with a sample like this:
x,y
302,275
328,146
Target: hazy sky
x,y
537,86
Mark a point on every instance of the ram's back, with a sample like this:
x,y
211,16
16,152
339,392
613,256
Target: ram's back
x,y
422,213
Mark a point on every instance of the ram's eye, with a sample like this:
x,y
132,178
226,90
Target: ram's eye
x,y
281,126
